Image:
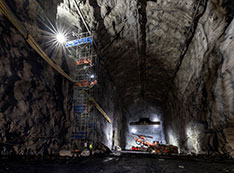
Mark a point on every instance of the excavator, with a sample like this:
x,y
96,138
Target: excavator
x,y
155,147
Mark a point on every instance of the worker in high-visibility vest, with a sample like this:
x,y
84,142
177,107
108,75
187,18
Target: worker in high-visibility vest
x,y
90,148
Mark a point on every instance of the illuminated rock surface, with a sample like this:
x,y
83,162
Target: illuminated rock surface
x,y
160,59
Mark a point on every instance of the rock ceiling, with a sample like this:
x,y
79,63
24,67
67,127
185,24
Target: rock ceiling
x,y
141,43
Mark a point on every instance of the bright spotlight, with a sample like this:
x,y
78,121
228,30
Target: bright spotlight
x,y
156,119
133,130
92,76
60,38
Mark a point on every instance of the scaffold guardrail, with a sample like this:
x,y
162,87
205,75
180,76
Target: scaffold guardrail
x,y
79,42
84,116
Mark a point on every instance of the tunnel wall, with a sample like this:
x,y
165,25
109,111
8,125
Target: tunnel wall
x,y
105,92
35,101
110,134
201,99
122,36
141,43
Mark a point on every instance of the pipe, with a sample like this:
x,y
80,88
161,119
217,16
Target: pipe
x,y
82,18
31,41
84,22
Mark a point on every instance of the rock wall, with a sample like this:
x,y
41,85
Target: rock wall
x,y
139,44
106,95
35,106
173,58
201,98
176,57
113,134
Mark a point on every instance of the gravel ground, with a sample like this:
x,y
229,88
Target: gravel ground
x,y
125,163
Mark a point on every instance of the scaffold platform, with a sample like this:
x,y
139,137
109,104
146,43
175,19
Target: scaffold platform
x,y
83,130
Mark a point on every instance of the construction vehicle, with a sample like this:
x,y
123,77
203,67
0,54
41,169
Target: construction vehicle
x,y
155,147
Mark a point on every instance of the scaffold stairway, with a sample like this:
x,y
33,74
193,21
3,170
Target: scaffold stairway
x,y
84,116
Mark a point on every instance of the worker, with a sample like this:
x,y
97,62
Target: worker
x,y
93,83
91,148
157,143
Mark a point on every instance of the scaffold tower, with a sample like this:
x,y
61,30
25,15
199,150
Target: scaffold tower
x,y
83,131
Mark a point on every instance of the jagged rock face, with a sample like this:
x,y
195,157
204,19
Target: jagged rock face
x,y
35,105
36,108
109,134
174,56
139,43
202,96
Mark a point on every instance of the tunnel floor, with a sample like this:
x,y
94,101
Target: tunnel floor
x,y
126,162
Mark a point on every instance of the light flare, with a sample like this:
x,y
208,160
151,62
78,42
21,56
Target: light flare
x,y
133,130
60,38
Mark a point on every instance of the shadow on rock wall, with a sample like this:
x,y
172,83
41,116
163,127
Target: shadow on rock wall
x,y
35,102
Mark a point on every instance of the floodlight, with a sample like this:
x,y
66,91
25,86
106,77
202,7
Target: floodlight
x,y
60,38
133,130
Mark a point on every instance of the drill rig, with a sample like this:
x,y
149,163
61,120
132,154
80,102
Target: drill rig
x,y
154,147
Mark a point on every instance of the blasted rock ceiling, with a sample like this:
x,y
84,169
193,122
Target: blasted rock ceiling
x,y
142,44
173,55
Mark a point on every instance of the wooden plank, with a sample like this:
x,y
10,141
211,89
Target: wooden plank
x,y
31,41
91,99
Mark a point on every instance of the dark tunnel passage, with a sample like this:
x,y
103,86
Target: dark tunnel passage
x,y
169,62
